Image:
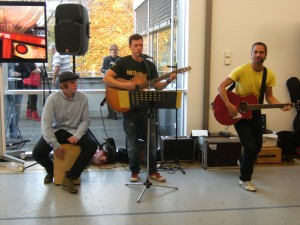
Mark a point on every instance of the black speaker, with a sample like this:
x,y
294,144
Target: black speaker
x,y
181,149
71,28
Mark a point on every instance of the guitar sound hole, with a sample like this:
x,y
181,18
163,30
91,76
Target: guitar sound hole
x,y
243,107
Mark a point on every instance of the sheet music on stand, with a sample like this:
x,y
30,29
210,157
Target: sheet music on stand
x,y
155,99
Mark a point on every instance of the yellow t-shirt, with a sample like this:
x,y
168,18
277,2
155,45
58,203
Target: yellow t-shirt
x,y
248,81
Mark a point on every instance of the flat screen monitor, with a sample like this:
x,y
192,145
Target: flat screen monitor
x,y
23,33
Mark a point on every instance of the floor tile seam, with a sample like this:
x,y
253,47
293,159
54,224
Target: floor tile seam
x,y
149,213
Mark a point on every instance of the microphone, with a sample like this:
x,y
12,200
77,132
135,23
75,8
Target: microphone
x,y
262,60
144,56
19,142
103,102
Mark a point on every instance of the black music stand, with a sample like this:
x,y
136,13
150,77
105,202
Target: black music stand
x,y
151,100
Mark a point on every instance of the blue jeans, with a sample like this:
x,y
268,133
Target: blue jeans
x,y
136,127
15,102
250,134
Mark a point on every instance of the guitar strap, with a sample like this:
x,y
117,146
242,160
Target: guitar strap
x,y
262,88
232,86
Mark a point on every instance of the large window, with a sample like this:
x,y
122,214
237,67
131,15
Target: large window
x,y
154,19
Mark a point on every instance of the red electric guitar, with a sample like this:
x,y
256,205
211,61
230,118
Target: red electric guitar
x,y
244,104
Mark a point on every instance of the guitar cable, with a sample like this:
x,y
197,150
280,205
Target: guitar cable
x,y
100,109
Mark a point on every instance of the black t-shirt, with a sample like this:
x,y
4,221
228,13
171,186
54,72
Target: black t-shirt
x,y
126,68
108,61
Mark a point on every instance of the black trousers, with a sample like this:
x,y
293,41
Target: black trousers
x,y
32,99
88,146
250,134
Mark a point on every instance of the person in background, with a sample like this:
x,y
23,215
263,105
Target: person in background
x,y
60,63
65,119
135,121
32,82
248,79
108,61
17,72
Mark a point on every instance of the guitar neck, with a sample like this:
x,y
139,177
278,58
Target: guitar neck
x,y
155,80
266,106
162,77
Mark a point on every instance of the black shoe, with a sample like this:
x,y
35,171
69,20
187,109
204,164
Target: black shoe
x,y
69,186
48,178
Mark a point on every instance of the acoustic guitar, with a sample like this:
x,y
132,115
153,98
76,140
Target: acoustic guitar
x,y
112,93
244,104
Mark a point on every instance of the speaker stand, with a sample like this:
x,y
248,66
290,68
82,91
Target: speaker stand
x,y
178,166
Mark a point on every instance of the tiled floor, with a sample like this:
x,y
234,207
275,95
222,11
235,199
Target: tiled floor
x,y
208,197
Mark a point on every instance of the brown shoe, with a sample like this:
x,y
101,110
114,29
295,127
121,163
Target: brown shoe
x,y
69,186
156,176
134,177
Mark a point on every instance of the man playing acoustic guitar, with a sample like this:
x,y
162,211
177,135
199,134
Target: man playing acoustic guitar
x,y
127,73
248,80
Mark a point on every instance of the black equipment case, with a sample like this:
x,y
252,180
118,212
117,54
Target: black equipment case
x,y
219,151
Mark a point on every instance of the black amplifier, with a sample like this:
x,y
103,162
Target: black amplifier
x,y
181,148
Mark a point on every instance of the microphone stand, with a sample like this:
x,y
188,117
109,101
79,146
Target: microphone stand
x,y
17,145
150,115
176,159
45,77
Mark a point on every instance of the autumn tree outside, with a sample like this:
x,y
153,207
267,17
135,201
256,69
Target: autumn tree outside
x,y
111,22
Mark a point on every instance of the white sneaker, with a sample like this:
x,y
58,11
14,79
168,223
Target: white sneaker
x,y
247,185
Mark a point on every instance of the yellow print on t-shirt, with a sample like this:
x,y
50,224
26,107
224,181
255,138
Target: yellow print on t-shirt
x,y
136,73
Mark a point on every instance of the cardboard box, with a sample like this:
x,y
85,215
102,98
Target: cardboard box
x,y
269,155
270,140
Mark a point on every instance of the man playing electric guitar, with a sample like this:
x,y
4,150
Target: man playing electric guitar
x,y
248,79
126,74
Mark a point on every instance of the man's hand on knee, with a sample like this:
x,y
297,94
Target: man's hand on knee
x,y
73,139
